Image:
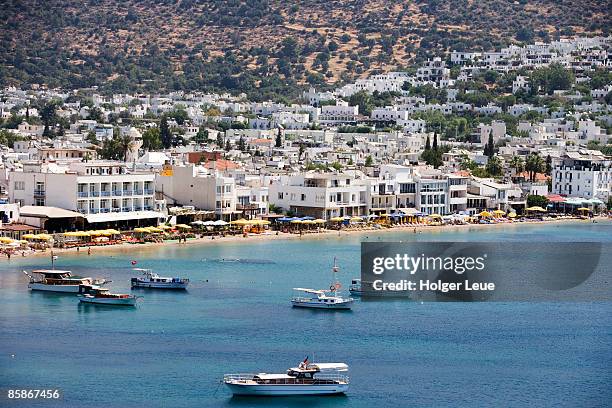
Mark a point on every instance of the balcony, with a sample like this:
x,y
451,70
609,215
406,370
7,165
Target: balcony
x,y
127,192
105,193
82,210
82,194
148,191
94,193
94,210
104,210
116,209
137,192
126,209
148,208
137,208
117,192
39,193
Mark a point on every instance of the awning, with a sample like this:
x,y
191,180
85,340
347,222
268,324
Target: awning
x,y
48,212
122,216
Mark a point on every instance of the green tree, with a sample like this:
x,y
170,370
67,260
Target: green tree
x,y
151,139
552,78
164,133
534,164
548,167
91,137
228,145
279,141
534,200
364,100
517,164
202,136
494,166
369,162
219,141
241,144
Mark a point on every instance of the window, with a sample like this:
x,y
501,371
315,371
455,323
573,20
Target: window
x,y
303,197
280,196
39,202
19,185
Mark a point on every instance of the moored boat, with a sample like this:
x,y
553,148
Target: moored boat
x,y
102,296
54,280
323,298
151,280
355,288
306,379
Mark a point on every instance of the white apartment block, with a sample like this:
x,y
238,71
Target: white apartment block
x,y
321,195
101,190
194,186
580,176
338,114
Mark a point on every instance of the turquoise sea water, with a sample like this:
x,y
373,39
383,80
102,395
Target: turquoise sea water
x,y
173,349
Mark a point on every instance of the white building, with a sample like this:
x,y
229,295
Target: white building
x,y
321,195
581,176
103,191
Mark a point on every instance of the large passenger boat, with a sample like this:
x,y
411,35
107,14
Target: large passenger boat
x,y
306,379
54,280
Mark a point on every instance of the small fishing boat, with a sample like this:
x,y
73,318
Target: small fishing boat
x,y
306,379
151,280
102,296
323,298
54,280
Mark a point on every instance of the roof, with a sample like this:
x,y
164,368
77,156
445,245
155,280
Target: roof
x,y
18,227
48,212
221,164
121,216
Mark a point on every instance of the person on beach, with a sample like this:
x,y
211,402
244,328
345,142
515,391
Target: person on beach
x,y
88,250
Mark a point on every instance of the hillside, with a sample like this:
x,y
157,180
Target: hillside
x,y
257,46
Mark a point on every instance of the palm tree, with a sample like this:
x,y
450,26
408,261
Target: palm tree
x,y
517,164
534,164
125,145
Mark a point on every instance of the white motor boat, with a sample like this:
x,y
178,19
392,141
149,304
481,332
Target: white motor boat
x,y
151,280
102,296
306,379
54,280
323,298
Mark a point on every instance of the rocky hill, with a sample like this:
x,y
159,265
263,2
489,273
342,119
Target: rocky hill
x,y
262,47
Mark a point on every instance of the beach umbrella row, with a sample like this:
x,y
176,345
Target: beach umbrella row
x,y
42,237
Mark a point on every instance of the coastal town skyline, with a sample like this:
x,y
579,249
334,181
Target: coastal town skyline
x,y
457,136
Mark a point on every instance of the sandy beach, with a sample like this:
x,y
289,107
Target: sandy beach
x,y
274,235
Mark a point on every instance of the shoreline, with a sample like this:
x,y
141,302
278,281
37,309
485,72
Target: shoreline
x,y
284,236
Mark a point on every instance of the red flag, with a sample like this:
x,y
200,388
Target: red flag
x,y
134,262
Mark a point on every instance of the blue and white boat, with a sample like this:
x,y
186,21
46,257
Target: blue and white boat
x,y
151,280
306,379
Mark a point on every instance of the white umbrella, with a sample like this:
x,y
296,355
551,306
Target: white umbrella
x,y
197,223
208,223
220,223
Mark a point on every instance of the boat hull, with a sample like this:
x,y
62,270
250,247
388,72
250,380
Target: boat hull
x,y
287,390
131,301
55,288
318,305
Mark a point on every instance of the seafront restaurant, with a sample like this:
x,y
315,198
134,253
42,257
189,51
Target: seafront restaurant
x,y
573,205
